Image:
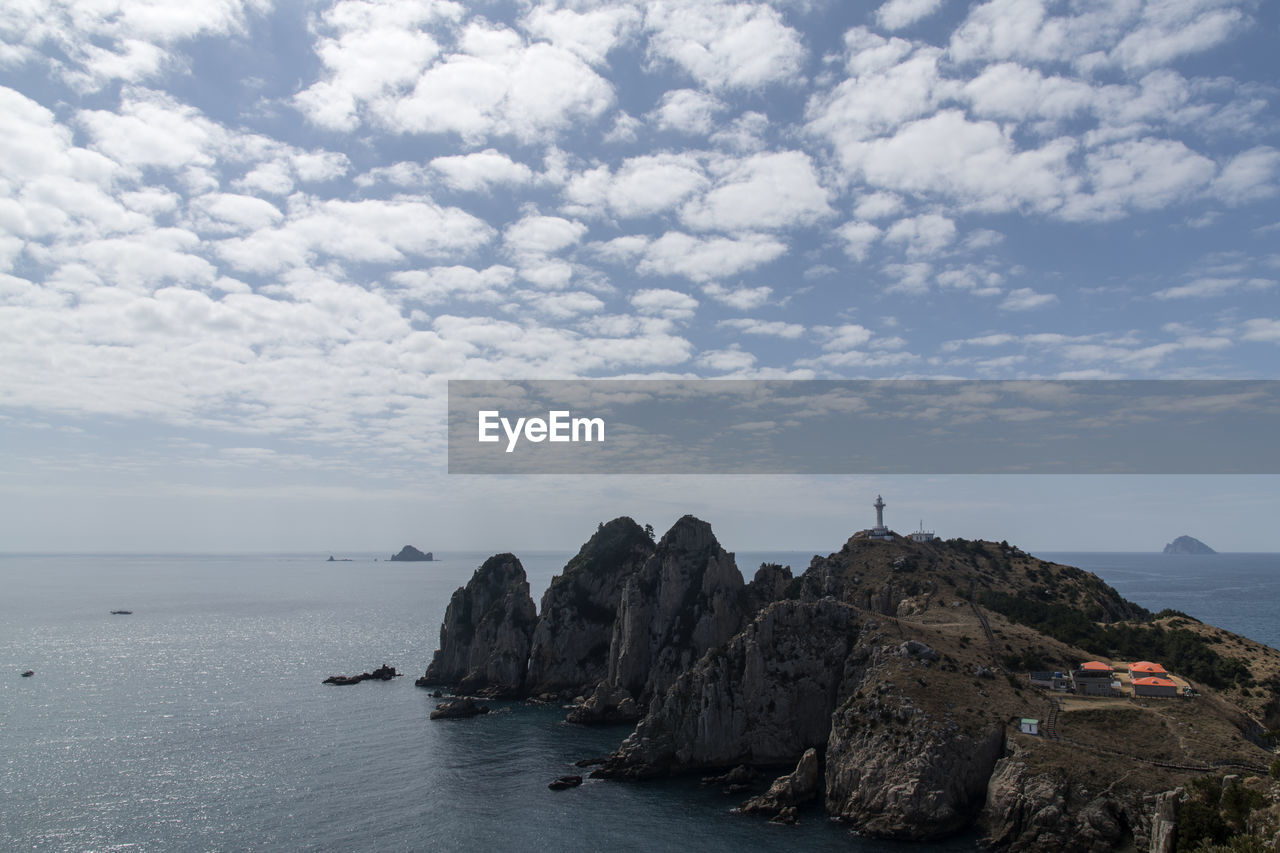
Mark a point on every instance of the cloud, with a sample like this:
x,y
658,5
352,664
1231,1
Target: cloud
x,y
741,298
761,192
687,111
488,83
846,337
1203,288
665,303
767,328
373,230
725,45
705,259
439,284
858,237
731,360
642,186
1261,329
922,235
1026,299
590,35
898,14
482,171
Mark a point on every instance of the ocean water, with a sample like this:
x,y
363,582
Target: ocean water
x,y
200,723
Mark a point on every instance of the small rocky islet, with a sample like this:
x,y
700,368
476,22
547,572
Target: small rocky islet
x,y
886,682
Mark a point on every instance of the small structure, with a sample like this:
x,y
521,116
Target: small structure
x,y
1154,686
1029,726
1051,680
879,531
1092,679
922,535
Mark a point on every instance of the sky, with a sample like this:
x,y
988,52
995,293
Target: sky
x,y
244,245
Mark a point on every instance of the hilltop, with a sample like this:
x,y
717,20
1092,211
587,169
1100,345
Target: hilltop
x,y
903,665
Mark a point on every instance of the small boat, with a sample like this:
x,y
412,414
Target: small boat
x,y
28,673
121,612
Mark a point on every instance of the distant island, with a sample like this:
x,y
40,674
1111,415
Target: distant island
x,y
1187,545
343,560
410,554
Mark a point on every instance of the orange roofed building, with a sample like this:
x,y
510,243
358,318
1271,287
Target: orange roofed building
x,y
1154,686
1147,668
1096,666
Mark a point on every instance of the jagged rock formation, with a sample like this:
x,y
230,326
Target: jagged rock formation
x,y
570,653
770,584
796,788
687,598
606,704
487,632
764,698
410,554
1046,811
460,708
1187,545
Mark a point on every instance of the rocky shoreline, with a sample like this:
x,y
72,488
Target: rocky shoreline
x,y
876,677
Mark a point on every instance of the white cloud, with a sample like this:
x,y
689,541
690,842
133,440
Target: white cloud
x,y
665,303
922,235
725,45
766,328
437,284
707,259
1026,299
562,306
642,186
897,14
371,230
1249,176
542,234
481,171
741,298
858,237
1262,329
687,111
846,337
1202,288
731,360
761,192
590,34
877,206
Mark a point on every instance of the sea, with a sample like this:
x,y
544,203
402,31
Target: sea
x,y
199,721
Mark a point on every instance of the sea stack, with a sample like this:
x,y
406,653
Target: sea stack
x,y
487,632
1188,545
571,644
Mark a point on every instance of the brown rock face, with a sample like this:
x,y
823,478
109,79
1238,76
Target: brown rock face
x,y
687,598
487,632
1045,812
570,651
894,771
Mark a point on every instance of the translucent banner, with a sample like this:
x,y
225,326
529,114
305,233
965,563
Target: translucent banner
x,y
864,427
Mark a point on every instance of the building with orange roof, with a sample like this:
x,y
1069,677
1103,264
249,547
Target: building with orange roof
x,y
1096,666
1092,679
1146,667
1154,686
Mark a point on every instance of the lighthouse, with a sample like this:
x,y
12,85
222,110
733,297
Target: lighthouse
x,y
880,531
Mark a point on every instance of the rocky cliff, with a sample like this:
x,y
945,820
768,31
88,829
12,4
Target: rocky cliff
x,y
763,698
687,598
570,653
487,632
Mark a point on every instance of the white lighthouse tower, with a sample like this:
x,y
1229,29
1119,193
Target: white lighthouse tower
x,y
880,531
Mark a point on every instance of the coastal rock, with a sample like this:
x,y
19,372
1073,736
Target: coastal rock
x,y
570,652
410,554
1188,545
565,782
487,632
687,598
896,771
382,673
763,698
1164,822
607,704
797,787
1044,811
459,708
